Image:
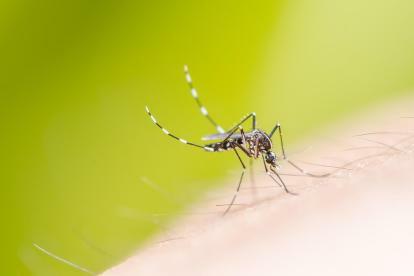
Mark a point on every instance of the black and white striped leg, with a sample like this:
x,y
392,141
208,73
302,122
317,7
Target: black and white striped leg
x,y
174,136
194,93
279,129
238,186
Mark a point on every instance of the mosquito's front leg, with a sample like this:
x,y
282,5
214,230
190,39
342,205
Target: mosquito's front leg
x,y
279,129
268,173
281,183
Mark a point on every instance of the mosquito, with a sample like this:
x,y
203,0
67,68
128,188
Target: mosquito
x,y
255,143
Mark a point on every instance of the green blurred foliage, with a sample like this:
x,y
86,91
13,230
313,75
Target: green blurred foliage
x,y
75,77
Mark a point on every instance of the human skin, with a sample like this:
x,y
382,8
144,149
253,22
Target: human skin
x,y
358,221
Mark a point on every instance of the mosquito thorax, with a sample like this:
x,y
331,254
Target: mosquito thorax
x,y
265,143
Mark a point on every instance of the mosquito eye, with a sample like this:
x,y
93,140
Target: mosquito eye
x,y
270,157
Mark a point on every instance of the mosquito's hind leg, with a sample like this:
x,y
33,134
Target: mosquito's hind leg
x,y
238,186
203,110
174,136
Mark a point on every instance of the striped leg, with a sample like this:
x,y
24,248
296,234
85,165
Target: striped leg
x,y
172,135
197,99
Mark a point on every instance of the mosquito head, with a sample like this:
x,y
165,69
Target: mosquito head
x,y
271,158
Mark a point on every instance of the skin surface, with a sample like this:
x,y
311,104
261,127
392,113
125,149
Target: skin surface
x,y
358,221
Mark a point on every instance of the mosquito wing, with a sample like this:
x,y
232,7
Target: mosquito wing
x,y
220,136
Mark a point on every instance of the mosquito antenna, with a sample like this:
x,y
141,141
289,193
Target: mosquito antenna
x,y
194,93
172,135
60,259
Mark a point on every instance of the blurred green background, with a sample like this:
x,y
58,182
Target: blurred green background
x,y
78,147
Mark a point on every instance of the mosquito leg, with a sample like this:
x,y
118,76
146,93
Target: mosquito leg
x,y
174,136
307,173
236,127
204,111
238,186
252,179
269,174
254,121
232,130
279,129
194,93
281,181
244,148
252,182
256,149
243,135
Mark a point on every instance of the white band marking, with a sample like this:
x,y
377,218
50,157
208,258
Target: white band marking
x,y
204,111
183,141
194,92
220,129
188,77
165,131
